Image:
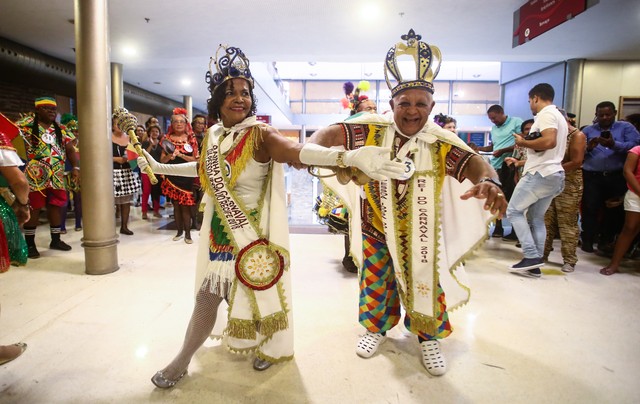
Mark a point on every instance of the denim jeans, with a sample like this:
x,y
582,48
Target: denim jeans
x,y
532,196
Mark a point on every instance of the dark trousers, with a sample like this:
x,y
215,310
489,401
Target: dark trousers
x,y
598,221
507,176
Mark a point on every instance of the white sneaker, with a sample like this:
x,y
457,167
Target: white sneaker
x,y
568,268
369,343
432,358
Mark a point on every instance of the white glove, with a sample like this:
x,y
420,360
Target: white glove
x,y
374,161
179,170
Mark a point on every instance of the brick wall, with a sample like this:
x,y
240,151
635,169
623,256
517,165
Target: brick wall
x,y
16,99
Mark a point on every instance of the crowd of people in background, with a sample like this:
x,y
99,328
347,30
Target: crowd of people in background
x,y
590,213
590,177
598,203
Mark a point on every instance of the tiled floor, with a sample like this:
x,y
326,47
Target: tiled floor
x,y
98,339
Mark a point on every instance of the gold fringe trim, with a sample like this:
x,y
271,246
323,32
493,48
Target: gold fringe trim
x,y
258,352
271,359
423,323
202,172
273,323
246,154
241,329
241,351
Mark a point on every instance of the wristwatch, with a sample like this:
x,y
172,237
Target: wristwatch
x,y
494,181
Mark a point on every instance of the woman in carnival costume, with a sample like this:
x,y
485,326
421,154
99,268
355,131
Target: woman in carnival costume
x,y
180,146
152,144
446,122
125,182
14,211
243,255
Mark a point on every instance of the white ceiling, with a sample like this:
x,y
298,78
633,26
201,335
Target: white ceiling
x,y
179,37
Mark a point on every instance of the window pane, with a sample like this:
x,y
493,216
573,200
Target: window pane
x,y
439,108
441,90
296,107
471,109
473,91
324,107
323,90
295,90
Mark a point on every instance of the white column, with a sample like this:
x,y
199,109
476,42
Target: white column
x,y
94,117
188,105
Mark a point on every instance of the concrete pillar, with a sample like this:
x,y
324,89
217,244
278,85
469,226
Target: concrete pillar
x,y
117,86
94,117
188,105
573,86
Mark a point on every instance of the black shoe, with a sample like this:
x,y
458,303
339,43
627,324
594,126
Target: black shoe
x,y
526,264
32,252
510,237
349,265
587,247
529,273
126,231
59,245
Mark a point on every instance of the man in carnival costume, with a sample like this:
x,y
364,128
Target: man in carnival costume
x,y
48,145
243,256
409,234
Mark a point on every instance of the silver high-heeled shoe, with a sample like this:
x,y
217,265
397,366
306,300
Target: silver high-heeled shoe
x,y
162,382
260,364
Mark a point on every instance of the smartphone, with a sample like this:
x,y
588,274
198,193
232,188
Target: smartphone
x,y
533,135
605,134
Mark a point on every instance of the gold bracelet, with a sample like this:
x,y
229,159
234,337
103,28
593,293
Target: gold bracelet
x,y
340,159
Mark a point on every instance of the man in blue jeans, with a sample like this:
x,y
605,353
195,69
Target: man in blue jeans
x,y
542,180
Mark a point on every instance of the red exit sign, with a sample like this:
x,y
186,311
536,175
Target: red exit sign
x,y
539,16
264,119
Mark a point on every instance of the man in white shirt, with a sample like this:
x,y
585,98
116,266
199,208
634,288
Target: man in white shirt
x,y
543,178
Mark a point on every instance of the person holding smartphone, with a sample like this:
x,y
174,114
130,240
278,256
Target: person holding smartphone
x,y
608,142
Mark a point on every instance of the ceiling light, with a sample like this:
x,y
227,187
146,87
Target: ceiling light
x,y
129,50
186,82
475,76
370,11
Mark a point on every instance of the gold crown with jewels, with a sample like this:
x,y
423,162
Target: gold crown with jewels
x,y
427,60
230,65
